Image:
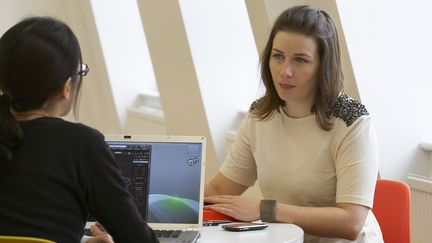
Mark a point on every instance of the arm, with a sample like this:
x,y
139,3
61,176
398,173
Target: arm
x,y
239,169
343,221
220,185
222,194
106,195
356,167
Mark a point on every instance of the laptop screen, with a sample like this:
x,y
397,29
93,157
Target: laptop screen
x,y
134,162
164,177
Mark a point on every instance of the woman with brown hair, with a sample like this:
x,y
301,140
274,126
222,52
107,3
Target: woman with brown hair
x,y
311,148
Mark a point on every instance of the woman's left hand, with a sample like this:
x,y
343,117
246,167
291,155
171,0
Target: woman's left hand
x,y
238,207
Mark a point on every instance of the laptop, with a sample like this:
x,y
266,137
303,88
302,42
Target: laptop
x,y
165,175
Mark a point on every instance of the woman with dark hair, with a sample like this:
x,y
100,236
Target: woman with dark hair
x,y
53,173
312,148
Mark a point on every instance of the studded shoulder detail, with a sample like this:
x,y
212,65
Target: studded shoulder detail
x,y
347,109
253,106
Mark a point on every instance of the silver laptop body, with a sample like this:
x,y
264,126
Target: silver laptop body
x,y
165,175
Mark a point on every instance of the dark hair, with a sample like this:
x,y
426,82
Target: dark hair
x,y
315,23
37,56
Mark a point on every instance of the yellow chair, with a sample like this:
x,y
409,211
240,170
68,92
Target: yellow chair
x,y
20,239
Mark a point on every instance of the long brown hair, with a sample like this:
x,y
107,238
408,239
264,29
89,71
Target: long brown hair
x,y
315,23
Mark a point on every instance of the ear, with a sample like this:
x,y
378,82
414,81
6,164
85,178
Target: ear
x,y
66,90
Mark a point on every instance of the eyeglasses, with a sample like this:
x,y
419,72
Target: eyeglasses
x,y
83,70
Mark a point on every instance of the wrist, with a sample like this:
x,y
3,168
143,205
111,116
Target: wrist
x,y
268,210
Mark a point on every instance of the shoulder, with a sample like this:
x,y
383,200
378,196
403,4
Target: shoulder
x,y
347,109
79,132
89,131
88,134
79,129
59,127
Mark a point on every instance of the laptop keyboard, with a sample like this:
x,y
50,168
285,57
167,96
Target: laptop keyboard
x,y
167,233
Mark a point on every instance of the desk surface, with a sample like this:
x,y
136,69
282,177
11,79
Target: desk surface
x,y
286,233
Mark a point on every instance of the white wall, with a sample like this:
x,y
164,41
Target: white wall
x,y
13,11
125,52
225,60
142,123
96,99
389,51
390,46
97,107
179,88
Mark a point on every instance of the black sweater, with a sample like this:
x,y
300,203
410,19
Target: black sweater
x,y
62,172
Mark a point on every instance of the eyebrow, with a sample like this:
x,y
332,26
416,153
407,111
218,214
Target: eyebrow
x,y
295,54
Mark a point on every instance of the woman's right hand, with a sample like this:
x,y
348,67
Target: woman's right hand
x,y
100,234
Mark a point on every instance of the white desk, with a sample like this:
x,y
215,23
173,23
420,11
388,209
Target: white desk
x,y
275,233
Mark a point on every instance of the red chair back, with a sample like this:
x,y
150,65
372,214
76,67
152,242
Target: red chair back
x,y
392,203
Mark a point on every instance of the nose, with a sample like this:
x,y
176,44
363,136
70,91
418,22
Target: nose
x,y
287,70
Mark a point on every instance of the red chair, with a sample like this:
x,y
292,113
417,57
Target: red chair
x,y
392,203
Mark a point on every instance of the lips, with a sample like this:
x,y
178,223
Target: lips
x,y
286,86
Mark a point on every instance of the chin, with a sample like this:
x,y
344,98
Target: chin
x,y
286,98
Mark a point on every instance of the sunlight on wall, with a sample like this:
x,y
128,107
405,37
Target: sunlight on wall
x,y
390,47
125,51
225,59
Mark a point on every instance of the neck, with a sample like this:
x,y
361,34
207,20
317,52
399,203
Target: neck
x,y
297,110
30,115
